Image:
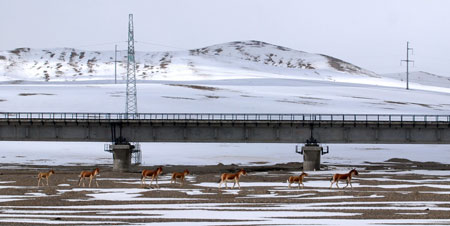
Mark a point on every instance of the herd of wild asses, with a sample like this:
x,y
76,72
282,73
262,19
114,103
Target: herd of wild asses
x,y
224,178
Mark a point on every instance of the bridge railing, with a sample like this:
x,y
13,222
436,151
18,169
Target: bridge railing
x,y
23,116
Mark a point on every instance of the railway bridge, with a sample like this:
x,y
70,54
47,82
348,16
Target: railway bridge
x,y
225,128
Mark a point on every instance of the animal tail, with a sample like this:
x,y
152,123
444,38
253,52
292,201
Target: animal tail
x,y
331,179
287,181
220,178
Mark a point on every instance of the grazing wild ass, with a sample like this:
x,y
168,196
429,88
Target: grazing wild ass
x,y
91,174
345,176
45,176
151,173
231,177
182,176
297,179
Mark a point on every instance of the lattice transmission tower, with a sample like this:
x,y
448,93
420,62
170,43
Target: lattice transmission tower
x,y
131,101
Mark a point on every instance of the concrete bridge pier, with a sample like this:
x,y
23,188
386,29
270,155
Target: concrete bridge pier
x,y
122,157
311,156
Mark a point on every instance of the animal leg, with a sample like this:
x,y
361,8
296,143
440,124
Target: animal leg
x,y
157,182
47,181
220,184
39,180
96,181
151,182
90,180
346,184
289,184
81,180
332,182
238,184
226,186
337,183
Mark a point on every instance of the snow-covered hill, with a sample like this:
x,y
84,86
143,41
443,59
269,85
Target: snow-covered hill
x,y
237,77
421,77
242,59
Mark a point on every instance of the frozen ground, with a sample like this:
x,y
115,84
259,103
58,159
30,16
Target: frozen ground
x,y
74,153
234,96
392,195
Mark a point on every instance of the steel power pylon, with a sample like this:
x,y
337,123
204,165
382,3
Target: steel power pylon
x,y
131,101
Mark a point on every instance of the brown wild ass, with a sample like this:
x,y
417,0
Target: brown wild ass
x,y
151,173
182,175
231,177
297,179
91,174
346,176
44,175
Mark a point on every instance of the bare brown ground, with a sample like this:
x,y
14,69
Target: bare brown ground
x,y
23,182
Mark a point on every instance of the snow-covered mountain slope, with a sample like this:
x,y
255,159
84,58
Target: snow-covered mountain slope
x,y
243,59
422,78
226,96
236,77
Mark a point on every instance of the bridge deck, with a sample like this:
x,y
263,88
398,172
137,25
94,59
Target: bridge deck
x,y
172,127
225,117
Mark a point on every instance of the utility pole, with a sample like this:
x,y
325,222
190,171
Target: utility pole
x,y
115,65
407,64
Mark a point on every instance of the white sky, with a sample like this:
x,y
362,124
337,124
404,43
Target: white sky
x,y
371,34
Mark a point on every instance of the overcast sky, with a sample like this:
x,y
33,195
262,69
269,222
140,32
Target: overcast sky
x,y
371,34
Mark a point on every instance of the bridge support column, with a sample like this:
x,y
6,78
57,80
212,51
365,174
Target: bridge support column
x,y
311,152
122,157
311,157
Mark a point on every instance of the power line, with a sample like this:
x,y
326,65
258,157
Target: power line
x,y
157,44
101,44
